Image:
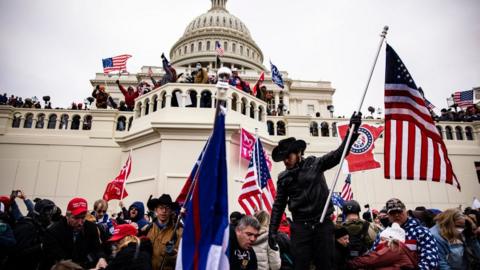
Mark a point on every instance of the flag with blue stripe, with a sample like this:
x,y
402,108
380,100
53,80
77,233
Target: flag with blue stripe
x,y
205,236
337,200
276,76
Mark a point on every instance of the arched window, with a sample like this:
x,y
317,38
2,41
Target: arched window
x,y
225,46
191,47
164,100
200,46
130,120
459,133
252,110
234,48
138,110
261,111
155,101
324,129
121,123
270,128
40,121
248,52
205,99
281,131
244,106
314,129
440,131
241,50
469,133
63,121
52,121
75,122
87,122
448,133
176,98
185,49
17,117
193,98
147,106
28,121
334,129
234,102
224,21
208,45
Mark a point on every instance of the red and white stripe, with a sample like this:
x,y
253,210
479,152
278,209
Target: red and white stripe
x,y
347,194
414,149
119,63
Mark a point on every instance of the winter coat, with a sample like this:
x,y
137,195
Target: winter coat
x,y
140,218
101,99
7,242
386,259
131,258
451,255
420,240
159,238
29,235
129,97
304,188
62,243
201,76
267,258
340,257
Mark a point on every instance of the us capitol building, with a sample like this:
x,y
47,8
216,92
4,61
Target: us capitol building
x,y
49,158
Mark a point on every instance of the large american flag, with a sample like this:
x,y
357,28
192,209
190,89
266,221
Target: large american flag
x,y
258,191
463,98
413,147
219,49
347,193
116,63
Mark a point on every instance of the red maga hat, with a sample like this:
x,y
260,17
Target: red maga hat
x,y
121,231
77,206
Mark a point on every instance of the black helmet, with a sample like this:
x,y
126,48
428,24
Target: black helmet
x,y
351,207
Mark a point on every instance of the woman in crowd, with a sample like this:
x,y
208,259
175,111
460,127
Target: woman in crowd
x,y
448,232
128,251
267,258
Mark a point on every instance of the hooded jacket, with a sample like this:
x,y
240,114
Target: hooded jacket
x,y
386,258
129,97
267,258
140,218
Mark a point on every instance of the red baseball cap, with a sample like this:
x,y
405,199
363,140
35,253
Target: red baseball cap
x,y
77,206
121,231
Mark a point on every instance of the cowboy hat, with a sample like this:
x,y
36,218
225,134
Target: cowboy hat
x,y
287,146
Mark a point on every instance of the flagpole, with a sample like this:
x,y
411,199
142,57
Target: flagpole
x,y
125,178
349,138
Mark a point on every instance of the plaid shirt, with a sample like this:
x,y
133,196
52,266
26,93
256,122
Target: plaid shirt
x,y
418,238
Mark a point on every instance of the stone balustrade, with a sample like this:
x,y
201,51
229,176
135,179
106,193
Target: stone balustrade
x,y
198,96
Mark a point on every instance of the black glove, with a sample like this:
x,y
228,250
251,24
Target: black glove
x,y
355,120
163,56
170,248
117,82
272,240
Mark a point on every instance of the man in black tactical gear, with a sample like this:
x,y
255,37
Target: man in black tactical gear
x,y
302,185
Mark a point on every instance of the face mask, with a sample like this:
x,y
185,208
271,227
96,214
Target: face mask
x,y
385,222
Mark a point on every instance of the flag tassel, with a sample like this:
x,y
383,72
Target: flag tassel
x,y
349,138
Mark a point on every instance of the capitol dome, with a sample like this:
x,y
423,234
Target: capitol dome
x,y
217,25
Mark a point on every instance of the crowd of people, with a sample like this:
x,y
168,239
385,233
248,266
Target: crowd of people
x,y
470,114
140,237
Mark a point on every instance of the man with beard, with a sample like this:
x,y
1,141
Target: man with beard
x,y
73,238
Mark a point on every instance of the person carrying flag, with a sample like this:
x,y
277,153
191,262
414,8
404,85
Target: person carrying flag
x,y
302,185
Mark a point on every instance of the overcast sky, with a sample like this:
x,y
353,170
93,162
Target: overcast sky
x,y
54,47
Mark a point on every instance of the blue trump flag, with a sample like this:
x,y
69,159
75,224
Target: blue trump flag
x,y
337,200
205,235
276,76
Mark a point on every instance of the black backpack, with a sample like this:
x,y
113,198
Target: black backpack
x,y
357,245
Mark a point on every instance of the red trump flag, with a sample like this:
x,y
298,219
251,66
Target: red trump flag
x,y
361,155
116,189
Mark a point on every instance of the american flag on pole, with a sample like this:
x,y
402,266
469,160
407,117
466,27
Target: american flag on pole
x,y
258,191
429,105
218,48
463,98
347,193
116,63
413,147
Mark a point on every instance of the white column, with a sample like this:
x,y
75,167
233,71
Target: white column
x,y
150,107
169,100
255,114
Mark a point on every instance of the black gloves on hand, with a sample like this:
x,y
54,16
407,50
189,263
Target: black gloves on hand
x,y
170,248
356,120
117,82
272,240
